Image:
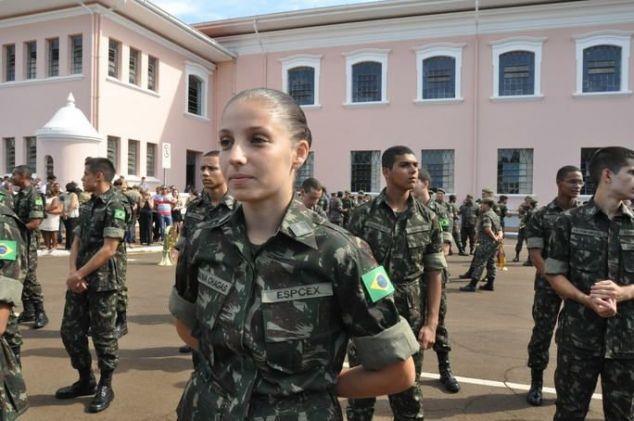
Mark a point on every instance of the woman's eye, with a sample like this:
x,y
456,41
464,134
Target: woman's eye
x,y
259,139
225,143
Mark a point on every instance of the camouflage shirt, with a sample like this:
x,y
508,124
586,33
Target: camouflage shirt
x,y
273,321
405,244
6,198
319,210
586,247
468,215
13,256
336,210
538,232
103,216
28,204
488,219
202,209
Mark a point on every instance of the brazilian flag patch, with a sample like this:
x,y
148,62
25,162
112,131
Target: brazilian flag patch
x,y
8,250
119,214
377,283
38,201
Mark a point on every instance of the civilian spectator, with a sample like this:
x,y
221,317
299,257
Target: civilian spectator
x,y
50,224
145,217
70,213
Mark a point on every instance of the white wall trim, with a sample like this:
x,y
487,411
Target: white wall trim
x,y
434,50
132,86
378,55
618,38
303,60
203,74
532,44
43,81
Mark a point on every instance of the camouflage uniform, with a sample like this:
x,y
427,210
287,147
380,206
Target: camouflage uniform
x,y
585,247
13,264
30,205
319,211
406,244
485,252
525,216
335,213
467,225
445,219
6,198
104,216
455,227
546,303
273,320
504,210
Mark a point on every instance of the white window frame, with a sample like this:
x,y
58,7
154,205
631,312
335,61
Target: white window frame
x,y
303,60
203,74
366,54
615,38
531,44
439,50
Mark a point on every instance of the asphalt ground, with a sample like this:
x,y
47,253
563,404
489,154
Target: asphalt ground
x,y
488,331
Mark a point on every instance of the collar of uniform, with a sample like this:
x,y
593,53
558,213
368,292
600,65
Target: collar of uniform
x,y
625,211
298,224
554,206
381,200
228,201
592,209
105,195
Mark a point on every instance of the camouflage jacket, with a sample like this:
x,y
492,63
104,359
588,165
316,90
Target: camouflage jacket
x,y
444,214
6,198
455,212
319,210
201,209
524,213
273,321
488,219
538,232
335,213
103,216
28,204
468,215
586,247
13,256
405,244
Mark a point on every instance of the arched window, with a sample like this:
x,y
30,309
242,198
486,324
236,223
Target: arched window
x,y
602,68
301,85
194,95
439,77
517,73
50,168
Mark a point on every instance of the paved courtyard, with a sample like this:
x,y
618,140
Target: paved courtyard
x,y
488,332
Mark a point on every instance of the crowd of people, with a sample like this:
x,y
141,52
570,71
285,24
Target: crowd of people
x,y
271,293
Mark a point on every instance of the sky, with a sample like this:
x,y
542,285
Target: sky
x,y
194,11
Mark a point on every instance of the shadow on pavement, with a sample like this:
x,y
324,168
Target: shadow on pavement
x,y
151,319
49,400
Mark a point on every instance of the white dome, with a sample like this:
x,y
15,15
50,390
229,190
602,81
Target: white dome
x,y
69,123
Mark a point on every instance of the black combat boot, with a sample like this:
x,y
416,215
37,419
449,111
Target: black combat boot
x,y
104,395
470,287
489,285
28,315
121,327
41,319
516,258
446,375
85,386
185,349
534,396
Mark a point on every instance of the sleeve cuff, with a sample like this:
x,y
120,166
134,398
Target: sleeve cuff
x,y
111,232
182,309
446,237
10,291
434,261
535,243
487,225
556,267
396,343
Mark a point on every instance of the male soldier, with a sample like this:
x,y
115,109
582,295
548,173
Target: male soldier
x,y
121,327
489,236
336,209
455,231
591,266
441,346
347,204
524,211
504,210
468,220
445,218
546,303
29,206
213,203
96,258
405,238
311,192
13,264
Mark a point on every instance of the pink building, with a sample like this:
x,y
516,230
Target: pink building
x,y
497,96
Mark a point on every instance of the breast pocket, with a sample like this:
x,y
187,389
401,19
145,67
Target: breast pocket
x,y
417,240
627,257
586,252
299,323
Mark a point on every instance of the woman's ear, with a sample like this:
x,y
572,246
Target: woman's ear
x,y
302,148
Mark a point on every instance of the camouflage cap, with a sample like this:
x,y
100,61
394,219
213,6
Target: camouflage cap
x,y
439,190
487,190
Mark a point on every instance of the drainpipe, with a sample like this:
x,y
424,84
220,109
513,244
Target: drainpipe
x,y
476,99
95,30
266,56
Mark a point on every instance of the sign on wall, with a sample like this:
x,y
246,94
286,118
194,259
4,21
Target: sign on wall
x,y
166,156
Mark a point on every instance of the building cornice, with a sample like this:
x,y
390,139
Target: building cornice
x,y
458,24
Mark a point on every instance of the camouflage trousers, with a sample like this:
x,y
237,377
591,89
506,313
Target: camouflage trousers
x,y
442,335
12,335
467,234
406,405
455,233
484,257
97,310
32,290
13,399
546,307
521,236
576,378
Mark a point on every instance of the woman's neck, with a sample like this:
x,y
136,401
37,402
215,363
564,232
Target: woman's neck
x,y
264,217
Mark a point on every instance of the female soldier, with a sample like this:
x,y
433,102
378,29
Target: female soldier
x,y
275,291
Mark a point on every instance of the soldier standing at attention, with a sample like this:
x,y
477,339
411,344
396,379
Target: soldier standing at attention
x,y
274,291
213,203
489,236
546,303
455,226
524,211
591,266
441,346
468,220
13,264
311,193
96,260
29,206
504,210
405,237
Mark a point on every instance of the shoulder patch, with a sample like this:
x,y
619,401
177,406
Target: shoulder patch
x,y
119,214
8,250
38,201
377,283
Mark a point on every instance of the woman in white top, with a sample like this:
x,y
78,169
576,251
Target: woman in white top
x,y
70,215
50,224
